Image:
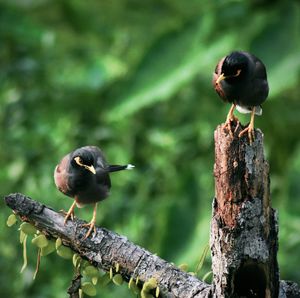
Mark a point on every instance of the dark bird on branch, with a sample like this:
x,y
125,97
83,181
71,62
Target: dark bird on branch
x,y
241,79
83,174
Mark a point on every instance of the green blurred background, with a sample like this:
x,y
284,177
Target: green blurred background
x,y
134,77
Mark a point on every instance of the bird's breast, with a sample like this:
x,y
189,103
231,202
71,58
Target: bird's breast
x,y
92,194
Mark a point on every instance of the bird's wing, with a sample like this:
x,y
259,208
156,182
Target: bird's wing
x,y
259,69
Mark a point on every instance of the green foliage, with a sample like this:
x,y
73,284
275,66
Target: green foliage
x,y
135,79
12,219
89,289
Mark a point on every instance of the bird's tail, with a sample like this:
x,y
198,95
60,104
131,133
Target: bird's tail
x,y
115,168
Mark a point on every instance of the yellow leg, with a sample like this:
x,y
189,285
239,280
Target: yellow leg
x,y
230,117
249,128
91,224
70,213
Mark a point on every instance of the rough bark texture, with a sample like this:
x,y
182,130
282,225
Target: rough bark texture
x,y
107,248
244,227
73,290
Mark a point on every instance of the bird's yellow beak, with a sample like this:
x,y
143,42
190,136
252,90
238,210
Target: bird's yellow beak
x,y
223,77
89,168
220,78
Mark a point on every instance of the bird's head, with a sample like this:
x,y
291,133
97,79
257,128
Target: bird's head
x,y
234,67
83,159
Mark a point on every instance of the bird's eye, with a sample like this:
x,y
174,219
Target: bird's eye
x,y
237,73
78,160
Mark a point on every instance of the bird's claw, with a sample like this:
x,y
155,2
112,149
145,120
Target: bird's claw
x,y
228,124
91,226
251,134
67,215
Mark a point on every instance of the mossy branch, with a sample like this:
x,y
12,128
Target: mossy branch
x,y
106,249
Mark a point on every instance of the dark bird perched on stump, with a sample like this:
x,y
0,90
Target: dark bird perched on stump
x,y
241,79
83,174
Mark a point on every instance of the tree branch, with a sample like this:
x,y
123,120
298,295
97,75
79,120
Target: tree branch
x,y
73,290
107,248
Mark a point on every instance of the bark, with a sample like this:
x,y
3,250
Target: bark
x,y
244,227
73,290
106,249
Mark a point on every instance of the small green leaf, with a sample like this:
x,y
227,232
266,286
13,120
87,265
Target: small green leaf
x,y
130,282
111,273
104,280
58,243
11,220
76,260
149,284
80,293
64,252
157,292
40,241
89,289
27,228
118,279
94,280
48,249
90,271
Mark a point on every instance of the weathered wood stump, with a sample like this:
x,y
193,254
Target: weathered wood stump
x,y
244,227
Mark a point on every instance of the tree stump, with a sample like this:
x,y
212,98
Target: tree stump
x,y
244,227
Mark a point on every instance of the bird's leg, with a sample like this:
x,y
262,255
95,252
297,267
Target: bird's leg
x,y
91,224
230,117
70,213
249,128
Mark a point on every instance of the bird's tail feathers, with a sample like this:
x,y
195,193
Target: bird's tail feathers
x,y
115,168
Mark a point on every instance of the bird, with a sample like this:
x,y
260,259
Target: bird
x,y
83,175
240,78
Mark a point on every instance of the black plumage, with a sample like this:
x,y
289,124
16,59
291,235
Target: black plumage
x,y
241,79
83,174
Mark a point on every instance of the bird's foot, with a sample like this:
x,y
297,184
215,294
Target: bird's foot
x,y
67,215
251,133
91,226
70,213
228,124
